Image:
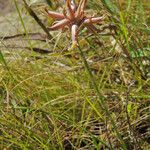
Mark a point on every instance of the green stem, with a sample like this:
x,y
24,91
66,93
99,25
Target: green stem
x,y
101,97
36,18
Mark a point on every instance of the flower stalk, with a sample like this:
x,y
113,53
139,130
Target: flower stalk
x,y
102,102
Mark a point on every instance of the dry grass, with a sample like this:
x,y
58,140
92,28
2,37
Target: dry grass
x,y
47,97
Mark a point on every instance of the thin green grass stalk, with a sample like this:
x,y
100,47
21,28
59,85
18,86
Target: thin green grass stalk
x,y
101,142
32,13
101,98
131,130
82,120
125,31
3,61
39,22
23,25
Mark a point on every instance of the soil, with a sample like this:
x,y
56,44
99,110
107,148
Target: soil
x,y
6,6
10,25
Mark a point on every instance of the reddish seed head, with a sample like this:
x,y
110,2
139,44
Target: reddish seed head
x,y
74,18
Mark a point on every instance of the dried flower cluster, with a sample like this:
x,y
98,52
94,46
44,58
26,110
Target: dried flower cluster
x,y
73,17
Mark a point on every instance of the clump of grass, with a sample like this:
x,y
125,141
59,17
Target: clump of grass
x,y
49,101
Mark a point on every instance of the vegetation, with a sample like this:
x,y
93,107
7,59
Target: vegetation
x,y
93,96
